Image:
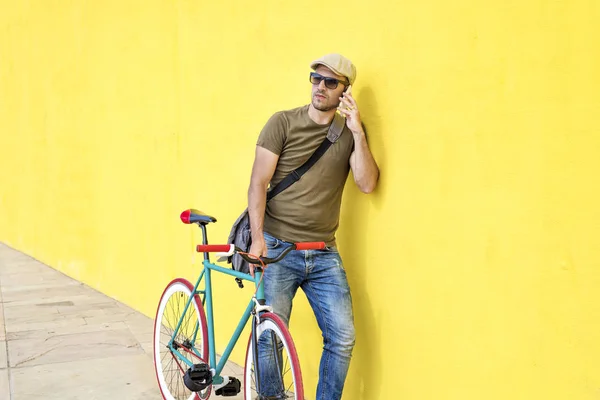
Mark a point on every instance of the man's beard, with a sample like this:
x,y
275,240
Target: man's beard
x,y
324,107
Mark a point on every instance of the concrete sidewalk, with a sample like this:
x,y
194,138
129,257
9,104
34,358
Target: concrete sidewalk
x,y
60,339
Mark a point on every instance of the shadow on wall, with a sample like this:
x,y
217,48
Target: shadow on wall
x,y
364,378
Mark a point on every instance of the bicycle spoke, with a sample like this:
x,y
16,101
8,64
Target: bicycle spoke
x,y
278,377
187,346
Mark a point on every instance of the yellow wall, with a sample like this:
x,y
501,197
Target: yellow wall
x,y
475,267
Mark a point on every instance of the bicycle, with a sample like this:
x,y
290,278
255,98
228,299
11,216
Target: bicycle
x,y
184,340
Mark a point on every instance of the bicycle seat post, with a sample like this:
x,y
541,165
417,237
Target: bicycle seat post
x,y
204,238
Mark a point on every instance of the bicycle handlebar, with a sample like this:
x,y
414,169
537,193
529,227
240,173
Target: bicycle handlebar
x,y
230,249
310,245
212,248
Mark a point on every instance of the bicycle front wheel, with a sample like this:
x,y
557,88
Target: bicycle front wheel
x,y
191,340
279,372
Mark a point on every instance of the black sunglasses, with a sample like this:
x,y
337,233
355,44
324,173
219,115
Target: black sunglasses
x,y
330,83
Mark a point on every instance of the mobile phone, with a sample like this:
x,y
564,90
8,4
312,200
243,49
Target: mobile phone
x,y
347,90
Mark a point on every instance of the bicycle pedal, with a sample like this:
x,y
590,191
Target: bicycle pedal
x,y
198,377
233,387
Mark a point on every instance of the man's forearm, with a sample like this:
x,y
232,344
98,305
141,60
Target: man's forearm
x,y
366,172
257,200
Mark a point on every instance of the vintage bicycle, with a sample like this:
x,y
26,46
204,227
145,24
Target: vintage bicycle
x,y
185,358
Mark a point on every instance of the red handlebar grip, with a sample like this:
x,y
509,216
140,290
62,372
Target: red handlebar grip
x,y
201,248
310,246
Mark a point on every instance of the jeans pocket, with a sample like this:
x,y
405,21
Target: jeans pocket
x,y
271,242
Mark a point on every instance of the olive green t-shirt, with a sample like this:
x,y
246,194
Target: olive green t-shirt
x,y
309,210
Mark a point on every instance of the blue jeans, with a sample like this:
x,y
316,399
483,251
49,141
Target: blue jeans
x,y
321,276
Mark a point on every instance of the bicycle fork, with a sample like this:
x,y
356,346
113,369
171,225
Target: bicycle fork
x,y
275,349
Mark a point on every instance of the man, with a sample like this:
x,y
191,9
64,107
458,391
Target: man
x,y
309,210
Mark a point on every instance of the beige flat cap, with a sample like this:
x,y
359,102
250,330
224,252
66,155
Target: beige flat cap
x,y
338,64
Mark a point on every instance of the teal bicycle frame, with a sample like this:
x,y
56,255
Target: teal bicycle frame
x,y
208,299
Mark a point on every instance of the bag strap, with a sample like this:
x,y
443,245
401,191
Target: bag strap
x,y
335,131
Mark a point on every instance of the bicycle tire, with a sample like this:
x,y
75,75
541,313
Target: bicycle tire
x,y
170,370
293,387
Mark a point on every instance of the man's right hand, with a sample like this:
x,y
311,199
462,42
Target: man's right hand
x,y
258,248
